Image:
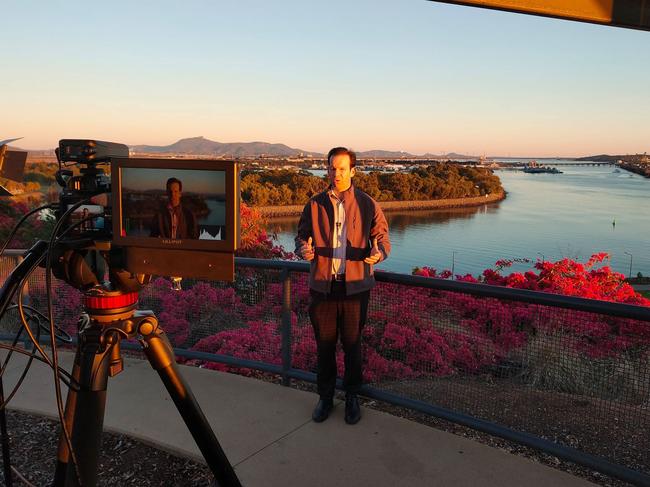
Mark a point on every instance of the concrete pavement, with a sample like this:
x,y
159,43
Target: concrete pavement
x,y
266,431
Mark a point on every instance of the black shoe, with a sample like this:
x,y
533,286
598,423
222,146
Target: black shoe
x,y
322,410
352,409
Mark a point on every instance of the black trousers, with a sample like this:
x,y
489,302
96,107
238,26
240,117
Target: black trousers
x,y
332,315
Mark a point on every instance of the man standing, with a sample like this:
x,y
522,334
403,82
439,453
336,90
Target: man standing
x,y
343,233
172,220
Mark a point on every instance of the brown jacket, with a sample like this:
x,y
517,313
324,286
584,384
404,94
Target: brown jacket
x,y
364,220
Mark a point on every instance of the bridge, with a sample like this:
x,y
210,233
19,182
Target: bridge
x,y
505,165
521,165
564,164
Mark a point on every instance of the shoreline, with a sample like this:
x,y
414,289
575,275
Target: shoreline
x,y
637,169
388,206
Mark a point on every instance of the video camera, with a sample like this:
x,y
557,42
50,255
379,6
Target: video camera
x,y
150,216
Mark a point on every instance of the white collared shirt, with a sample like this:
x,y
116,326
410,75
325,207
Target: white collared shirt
x,y
339,235
173,219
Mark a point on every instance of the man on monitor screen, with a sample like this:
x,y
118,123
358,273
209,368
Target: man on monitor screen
x,y
171,219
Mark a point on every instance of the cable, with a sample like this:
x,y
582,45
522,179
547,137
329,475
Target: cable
x,y
21,477
8,357
6,456
69,381
62,335
34,340
53,329
4,436
55,359
24,373
25,323
20,222
22,351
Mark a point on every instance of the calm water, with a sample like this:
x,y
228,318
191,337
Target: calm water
x,y
217,213
547,216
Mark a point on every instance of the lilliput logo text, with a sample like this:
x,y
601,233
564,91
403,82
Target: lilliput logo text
x,y
171,241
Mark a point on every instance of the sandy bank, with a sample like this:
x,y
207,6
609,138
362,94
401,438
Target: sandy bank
x,y
295,210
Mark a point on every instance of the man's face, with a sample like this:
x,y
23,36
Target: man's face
x,y
174,194
339,172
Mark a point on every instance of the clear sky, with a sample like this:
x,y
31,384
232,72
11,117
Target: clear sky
x,y
405,75
145,179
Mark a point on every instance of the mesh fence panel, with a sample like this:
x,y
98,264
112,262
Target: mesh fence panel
x,y
303,343
240,319
66,301
577,378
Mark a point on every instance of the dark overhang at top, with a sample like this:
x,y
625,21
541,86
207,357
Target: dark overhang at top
x,y
632,14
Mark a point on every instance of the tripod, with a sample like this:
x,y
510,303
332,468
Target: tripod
x,y
110,317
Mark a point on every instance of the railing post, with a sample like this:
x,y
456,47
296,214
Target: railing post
x,y
286,326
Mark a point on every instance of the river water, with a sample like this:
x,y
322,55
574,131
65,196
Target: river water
x,y
583,211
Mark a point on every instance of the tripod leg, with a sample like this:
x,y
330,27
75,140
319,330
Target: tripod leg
x,y
161,356
85,409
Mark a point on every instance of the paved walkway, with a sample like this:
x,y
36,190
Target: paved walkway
x,y
267,434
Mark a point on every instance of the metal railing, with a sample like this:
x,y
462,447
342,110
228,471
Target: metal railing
x,y
565,375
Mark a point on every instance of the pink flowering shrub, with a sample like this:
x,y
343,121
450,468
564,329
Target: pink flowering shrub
x,y
426,332
259,341
303,347
411,332
511,324
191,314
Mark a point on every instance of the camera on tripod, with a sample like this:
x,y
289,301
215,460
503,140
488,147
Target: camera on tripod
x,y
170,217
151,216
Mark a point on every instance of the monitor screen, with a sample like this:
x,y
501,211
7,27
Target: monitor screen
x,y
176,203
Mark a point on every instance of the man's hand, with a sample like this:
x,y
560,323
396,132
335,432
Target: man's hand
x,y
375,254
307,250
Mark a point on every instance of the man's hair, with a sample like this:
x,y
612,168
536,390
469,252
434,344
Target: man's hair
x,y
171,181
342,150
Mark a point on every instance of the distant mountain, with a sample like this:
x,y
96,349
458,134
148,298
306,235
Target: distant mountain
x,y
203,146
200,146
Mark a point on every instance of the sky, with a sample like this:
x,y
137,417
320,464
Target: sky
x,y
417,76
144,179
